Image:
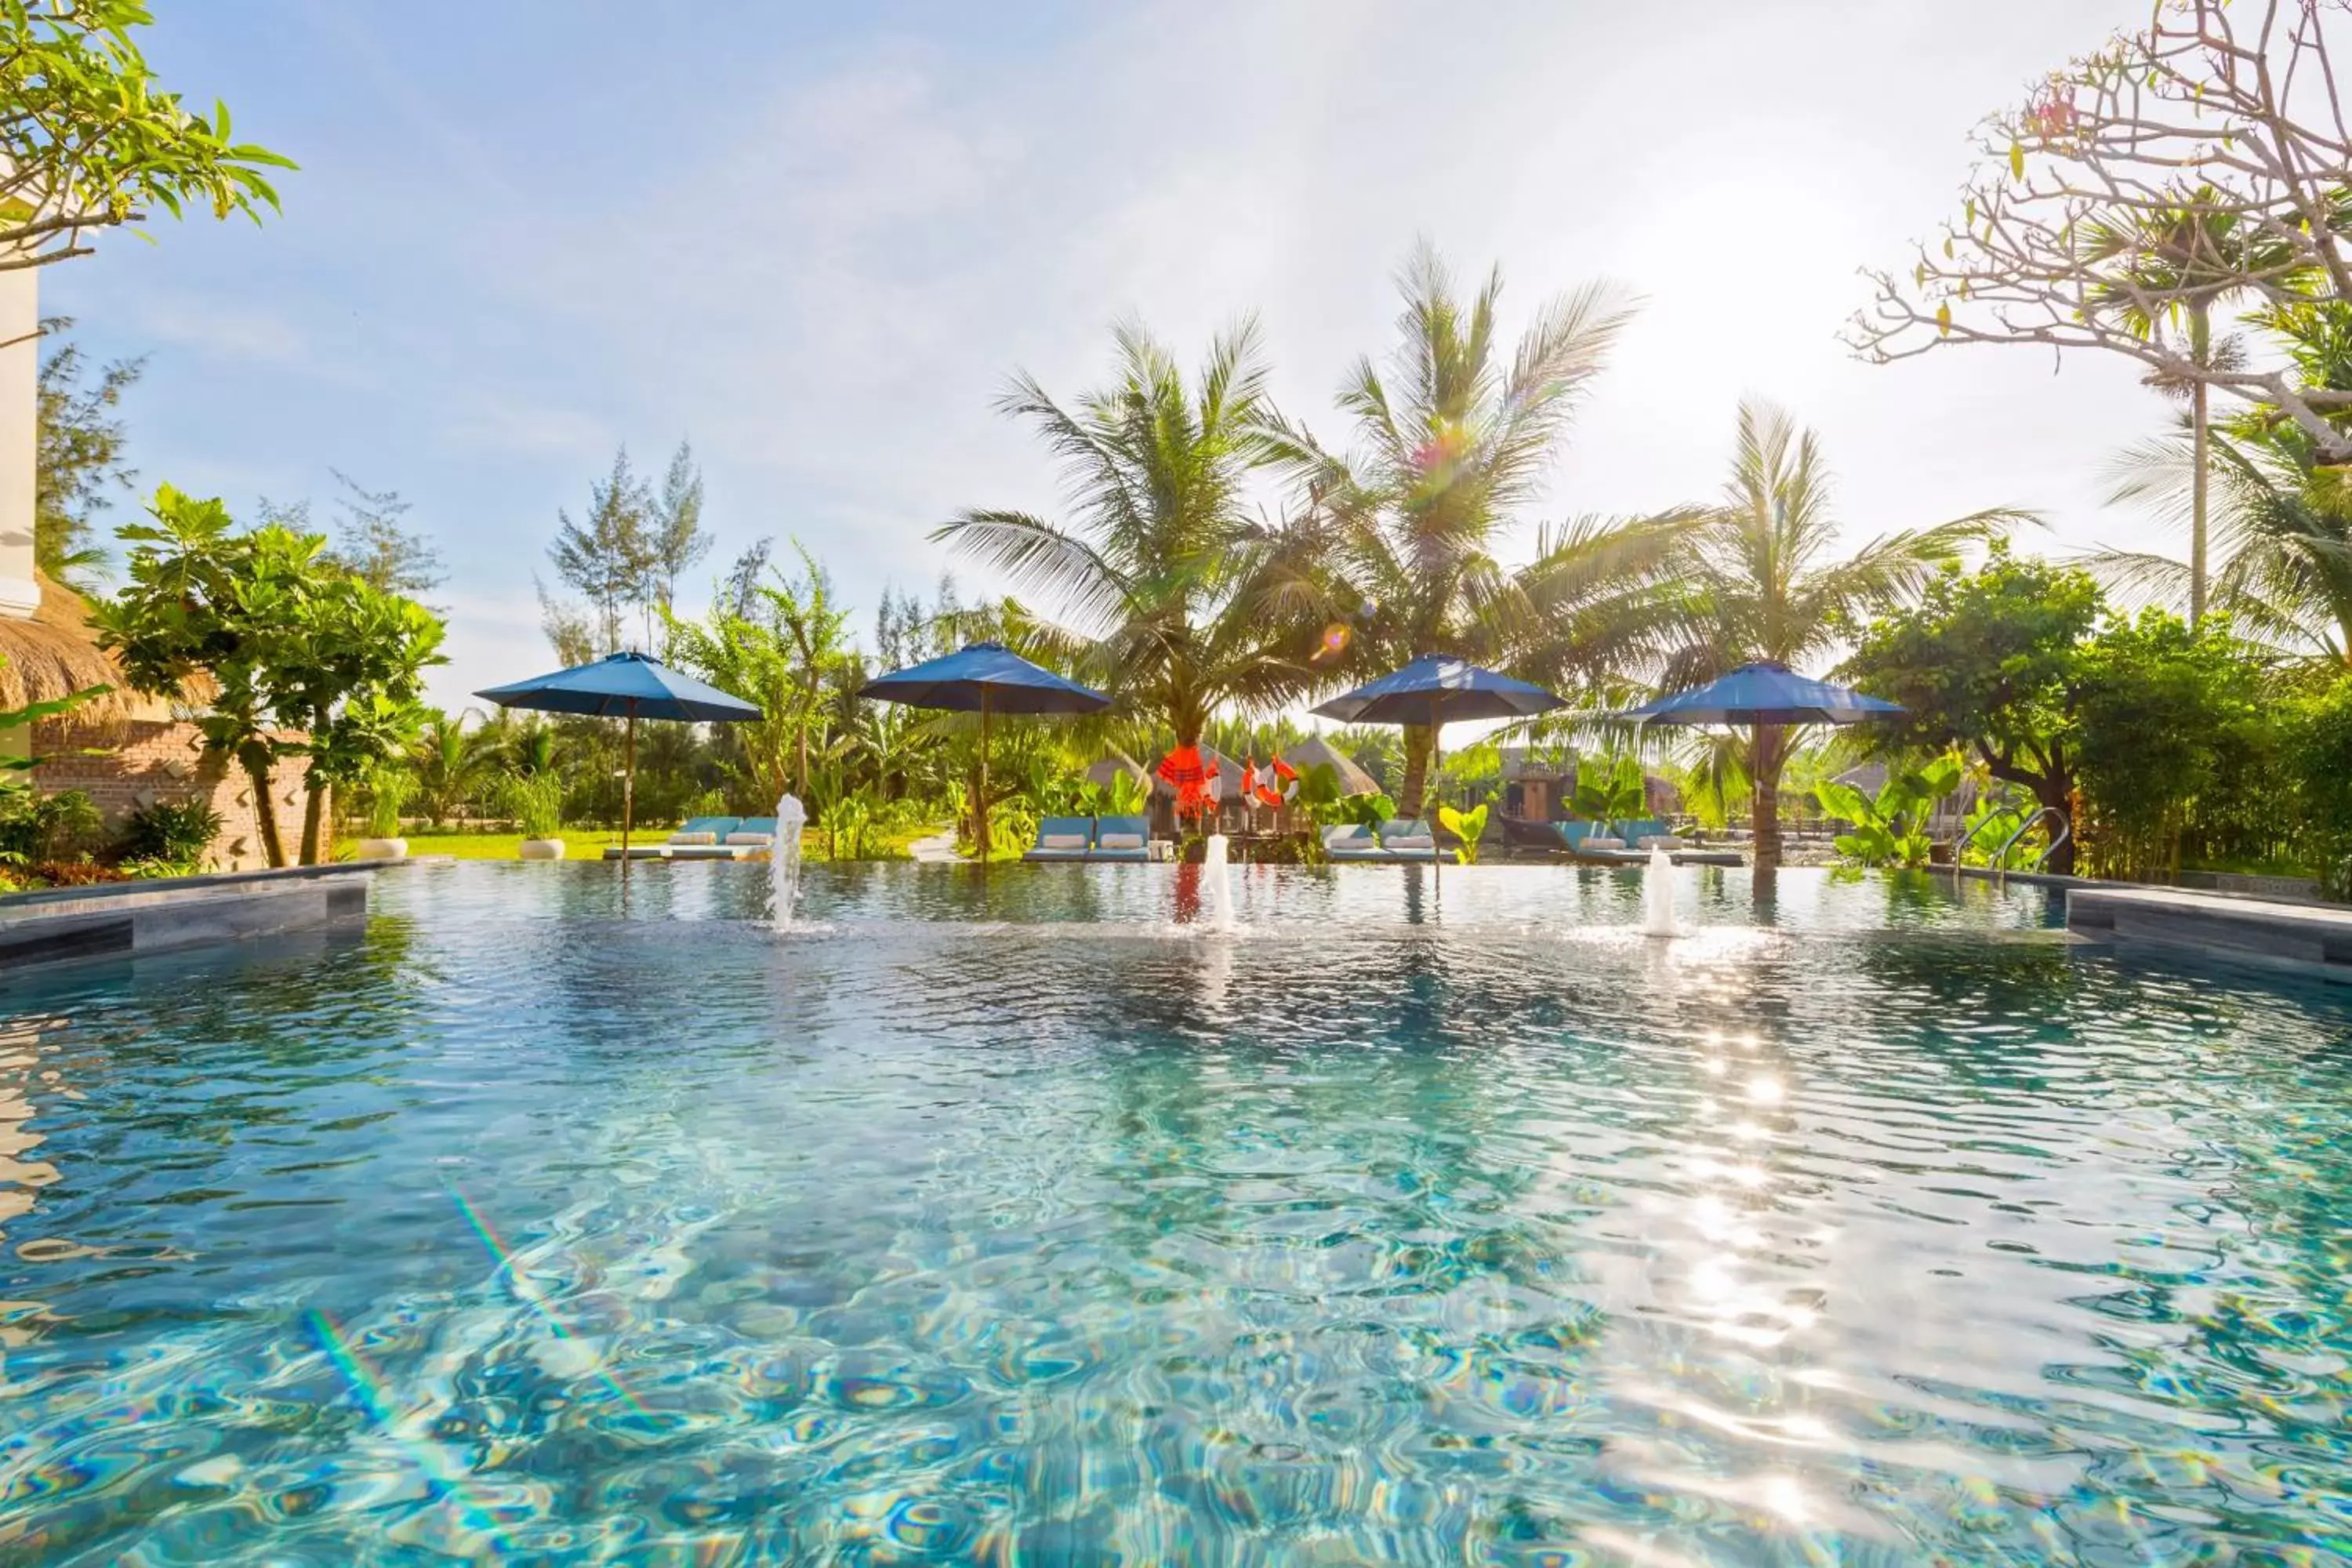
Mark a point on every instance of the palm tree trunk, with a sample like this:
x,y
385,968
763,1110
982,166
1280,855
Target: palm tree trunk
x,y
1765,806
2199,344
1418,743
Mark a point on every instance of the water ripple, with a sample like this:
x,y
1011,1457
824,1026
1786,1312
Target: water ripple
x,y
1011,1224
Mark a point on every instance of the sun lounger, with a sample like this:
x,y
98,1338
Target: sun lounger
x,y
1408,840
1124,839
1061,838
1401,842
705,838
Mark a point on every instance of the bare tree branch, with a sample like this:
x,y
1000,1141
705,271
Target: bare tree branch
x,y
2202,160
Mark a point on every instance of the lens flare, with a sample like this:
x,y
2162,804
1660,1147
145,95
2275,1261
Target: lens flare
x,y
1336,637
433,1460
526,1291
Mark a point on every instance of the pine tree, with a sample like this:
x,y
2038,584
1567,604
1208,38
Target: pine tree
x,y
611,558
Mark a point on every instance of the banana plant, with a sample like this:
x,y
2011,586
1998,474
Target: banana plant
x,y
1890,828
1468,826
1610,789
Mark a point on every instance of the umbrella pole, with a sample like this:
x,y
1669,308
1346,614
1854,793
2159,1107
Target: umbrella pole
x,y
980,806
1437,758
628,784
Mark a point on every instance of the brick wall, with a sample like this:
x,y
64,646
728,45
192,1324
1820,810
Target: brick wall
x,y
125,765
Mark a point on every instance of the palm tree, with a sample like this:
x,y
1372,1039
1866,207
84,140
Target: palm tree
x,y
1453,442
2284,526
1760,579
450,762
2174,265
1162,587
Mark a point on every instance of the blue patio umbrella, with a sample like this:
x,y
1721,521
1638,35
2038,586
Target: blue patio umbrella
x,y
1434,690
1765,692
630,686
1764,695
984,677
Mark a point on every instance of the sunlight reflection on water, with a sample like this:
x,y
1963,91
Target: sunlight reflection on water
x,y
1020,1222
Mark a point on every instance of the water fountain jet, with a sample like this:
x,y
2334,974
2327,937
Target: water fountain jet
x,y
784,863
1217,883
1658,895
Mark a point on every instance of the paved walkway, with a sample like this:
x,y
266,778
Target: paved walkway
x,y
936,850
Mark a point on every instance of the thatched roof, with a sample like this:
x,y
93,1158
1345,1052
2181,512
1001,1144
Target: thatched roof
x,y
54,655
1353,779
1114,765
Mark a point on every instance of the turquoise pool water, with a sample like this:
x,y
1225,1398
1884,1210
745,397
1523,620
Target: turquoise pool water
x,y
1022,1226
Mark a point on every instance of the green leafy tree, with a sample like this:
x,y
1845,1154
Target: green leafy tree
x,y
1453,441
2320,753
195,623
1988,660
1762,578
89,139
79,460
349,674
267,637
2163,709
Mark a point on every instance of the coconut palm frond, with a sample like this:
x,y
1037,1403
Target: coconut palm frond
x,y
1036,556
2139,577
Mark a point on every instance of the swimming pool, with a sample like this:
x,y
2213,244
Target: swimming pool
x,y
1016,1225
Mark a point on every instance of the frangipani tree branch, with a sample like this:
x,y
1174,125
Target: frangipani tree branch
x,y
2201,158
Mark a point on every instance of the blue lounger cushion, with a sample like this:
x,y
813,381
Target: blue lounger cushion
x,y
719,827
1407,827
1121,829
1062,828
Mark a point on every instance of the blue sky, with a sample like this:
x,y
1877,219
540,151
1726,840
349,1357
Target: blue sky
x,y
815,239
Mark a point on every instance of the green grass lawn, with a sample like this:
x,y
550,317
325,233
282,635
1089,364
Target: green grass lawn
x,y
588,844
579,844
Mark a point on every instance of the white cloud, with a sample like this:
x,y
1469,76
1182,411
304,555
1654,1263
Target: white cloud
x,y
222,328
825,285
495,425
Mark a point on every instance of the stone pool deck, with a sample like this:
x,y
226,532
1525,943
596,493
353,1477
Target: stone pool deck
x,y
2310,940
60,925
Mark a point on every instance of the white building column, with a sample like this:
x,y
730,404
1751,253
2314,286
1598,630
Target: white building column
x,y
20,369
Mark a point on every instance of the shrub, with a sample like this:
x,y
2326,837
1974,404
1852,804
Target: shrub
x,y
43,828
154,867
388,790
1467,826
535,801
2319,748
177,832
75,873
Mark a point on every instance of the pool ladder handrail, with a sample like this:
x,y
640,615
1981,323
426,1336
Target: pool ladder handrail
x,y
1963,841
2000,856
2065,830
